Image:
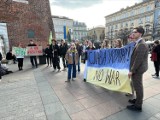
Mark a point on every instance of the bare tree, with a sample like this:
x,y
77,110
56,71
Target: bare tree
x,y
123,35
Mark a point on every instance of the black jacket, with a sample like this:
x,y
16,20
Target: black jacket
x,y
157,50
48,52
88,48
79,49
63,49
0,56
9,56
54,50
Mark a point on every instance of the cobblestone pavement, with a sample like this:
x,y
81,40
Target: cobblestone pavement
x,y
41,94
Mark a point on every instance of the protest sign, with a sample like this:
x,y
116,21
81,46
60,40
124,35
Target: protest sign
x,y
34,50
17,51
109,68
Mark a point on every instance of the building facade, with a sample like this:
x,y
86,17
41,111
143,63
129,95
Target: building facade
x,y
26,20
79,30
63,25
156,30
121,23
96,34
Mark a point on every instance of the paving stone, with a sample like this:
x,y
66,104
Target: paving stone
x,y
53,108
74,107
61,115
49,99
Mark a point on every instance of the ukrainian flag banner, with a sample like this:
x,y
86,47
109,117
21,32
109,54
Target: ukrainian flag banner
x,y
65,31
109,68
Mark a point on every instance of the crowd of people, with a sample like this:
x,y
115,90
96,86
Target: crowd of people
x,y
75,53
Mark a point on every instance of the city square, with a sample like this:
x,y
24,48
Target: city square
x,y
76,60
41,94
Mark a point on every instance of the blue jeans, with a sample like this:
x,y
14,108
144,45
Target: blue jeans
x,y
70,71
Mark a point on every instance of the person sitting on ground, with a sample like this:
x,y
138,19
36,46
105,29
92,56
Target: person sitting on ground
x,y
10,56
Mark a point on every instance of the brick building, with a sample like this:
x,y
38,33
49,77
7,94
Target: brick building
x,y
26,20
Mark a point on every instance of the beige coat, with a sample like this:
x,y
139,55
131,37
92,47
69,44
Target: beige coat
x,y
69,57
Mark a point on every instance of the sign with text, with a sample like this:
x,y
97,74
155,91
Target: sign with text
x,y
109,68
34,50
17,51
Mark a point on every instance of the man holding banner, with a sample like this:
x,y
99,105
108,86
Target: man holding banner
x,y
138,65
33,59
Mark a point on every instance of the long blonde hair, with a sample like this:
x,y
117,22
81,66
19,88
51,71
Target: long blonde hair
x,y
72,49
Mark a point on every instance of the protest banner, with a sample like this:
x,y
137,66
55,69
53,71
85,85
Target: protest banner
x,y
17,51
109,68
34,50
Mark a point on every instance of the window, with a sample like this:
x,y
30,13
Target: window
x,y
126,24
132,12
140,21
116,26
31,34
147,19
147,29
148,8
126,15
132,23
141,10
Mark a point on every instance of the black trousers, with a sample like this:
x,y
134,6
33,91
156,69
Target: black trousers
x,y
49,60
56,61
0,72
20,62
64,61
33,60
156,65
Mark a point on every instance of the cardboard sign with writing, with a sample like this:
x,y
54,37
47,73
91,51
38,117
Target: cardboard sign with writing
x,y
34,50
17,51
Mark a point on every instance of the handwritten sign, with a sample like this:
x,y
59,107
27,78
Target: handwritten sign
x,y
17,51
109,68
34,50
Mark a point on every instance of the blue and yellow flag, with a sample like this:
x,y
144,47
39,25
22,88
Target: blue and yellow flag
x,y
109,68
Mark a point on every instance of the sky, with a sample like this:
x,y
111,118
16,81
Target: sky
x,y
91,12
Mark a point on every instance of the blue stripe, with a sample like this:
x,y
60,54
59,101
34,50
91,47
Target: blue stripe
x,y
118,58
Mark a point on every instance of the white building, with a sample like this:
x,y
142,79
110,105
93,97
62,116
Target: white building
x,y
62,26
79,30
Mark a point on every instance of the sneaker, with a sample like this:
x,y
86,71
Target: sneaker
x,y
154,74
54,70
59,70
67,80
73,79
0,80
